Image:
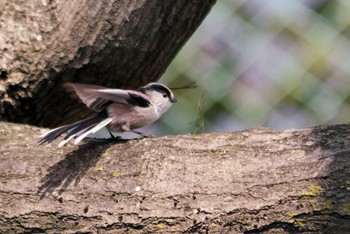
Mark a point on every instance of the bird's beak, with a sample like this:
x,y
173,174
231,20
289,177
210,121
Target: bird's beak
x,y
173,100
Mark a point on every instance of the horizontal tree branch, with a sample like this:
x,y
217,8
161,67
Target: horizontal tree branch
x,y
258,180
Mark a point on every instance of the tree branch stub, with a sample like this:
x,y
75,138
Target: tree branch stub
x,y
123,44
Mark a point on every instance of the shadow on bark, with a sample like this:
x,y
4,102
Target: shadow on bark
x,y
74,166
332,192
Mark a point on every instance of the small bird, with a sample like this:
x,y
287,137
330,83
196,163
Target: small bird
x,y
120,110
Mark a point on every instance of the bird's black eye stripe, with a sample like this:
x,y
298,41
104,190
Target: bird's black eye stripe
x,y
161,89
136,100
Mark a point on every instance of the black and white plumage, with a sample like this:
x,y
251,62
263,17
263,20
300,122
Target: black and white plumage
x,y
119,110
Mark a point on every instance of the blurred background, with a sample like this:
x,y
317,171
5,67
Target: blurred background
x,y
278,64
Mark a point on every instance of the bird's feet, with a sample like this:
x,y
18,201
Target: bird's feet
x,y
143,135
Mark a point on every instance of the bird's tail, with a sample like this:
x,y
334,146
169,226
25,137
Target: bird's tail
x,y
78,129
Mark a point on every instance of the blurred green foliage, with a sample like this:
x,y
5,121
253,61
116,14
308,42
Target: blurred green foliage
x,y
280,64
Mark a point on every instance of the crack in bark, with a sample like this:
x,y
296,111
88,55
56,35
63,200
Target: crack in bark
x,y
178,191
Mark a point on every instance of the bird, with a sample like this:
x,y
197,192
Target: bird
x,y
119,110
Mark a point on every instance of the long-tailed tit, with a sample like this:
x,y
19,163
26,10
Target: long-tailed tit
x,y
120,110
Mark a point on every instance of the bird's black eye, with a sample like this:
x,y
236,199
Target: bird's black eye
x,y
164,95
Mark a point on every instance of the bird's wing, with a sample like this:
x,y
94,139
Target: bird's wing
x,y
98,97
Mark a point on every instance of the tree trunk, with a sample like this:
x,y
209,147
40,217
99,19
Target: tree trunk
x,y
123,44
254,181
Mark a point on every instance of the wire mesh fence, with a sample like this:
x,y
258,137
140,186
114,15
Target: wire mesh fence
x,y
279,64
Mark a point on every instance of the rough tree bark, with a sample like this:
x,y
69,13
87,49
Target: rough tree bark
x,y
124,44
254,181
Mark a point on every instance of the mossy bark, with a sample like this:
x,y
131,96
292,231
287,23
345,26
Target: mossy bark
x,y
254,181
